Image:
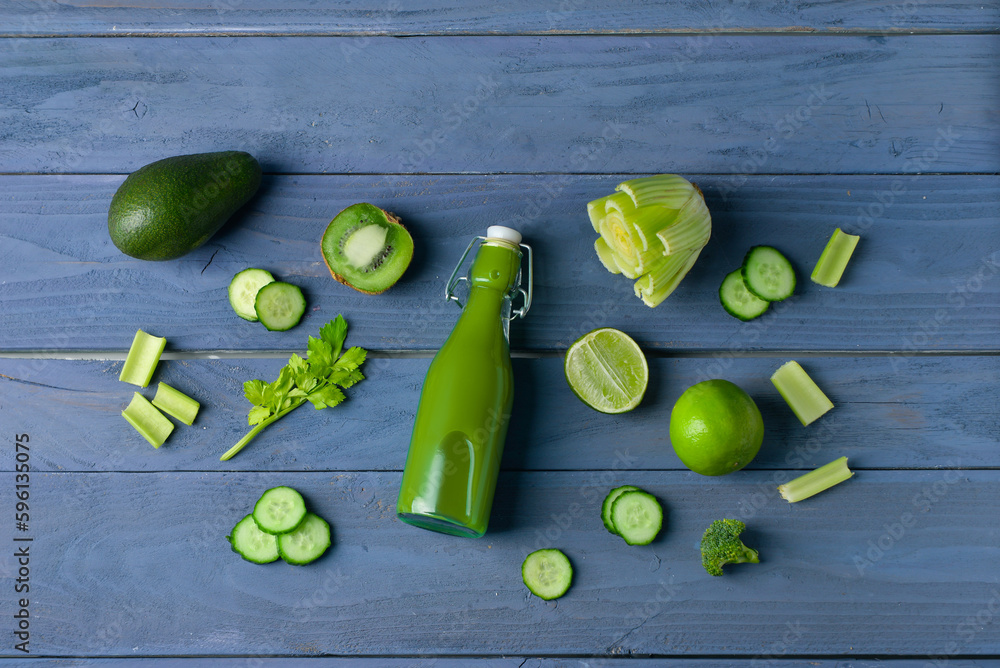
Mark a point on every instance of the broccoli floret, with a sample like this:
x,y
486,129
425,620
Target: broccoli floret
x,y
721,545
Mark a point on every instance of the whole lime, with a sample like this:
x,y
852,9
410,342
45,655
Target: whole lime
x,y
716,428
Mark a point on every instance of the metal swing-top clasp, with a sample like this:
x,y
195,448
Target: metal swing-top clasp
x,y
508,235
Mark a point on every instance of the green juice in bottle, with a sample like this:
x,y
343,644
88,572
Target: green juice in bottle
x,y
458,434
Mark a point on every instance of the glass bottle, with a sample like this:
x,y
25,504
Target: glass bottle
x,y
452,464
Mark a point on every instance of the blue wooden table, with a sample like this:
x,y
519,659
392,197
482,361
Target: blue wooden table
x,y
794,118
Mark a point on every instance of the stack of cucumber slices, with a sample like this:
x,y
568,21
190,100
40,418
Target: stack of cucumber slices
x,y
633,514
255,295
766,276
280,526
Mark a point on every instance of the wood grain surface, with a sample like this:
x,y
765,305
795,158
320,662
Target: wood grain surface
x,y
921,412
132,560
378,17
746,104
926,275
794,118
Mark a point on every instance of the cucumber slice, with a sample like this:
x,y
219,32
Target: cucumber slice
x,y
610,499
279,510
768,274
547,573
243,291
280,306
737,300
307,543
637,516
251,543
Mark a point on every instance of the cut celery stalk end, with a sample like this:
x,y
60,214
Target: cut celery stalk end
x,y
142,359
652,231
833,261
817,481
595,211
621,203
147,420
804,397
648,222
662,287
621,237
176,403
669,190
693,235
605,254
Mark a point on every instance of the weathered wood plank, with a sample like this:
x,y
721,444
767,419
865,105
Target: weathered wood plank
x,y
491,662
918,413
758,104
925,276
239,17
126,564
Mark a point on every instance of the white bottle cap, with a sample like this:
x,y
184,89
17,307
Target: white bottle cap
x,y
503,234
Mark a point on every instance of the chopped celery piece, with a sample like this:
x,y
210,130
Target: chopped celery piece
x,y
176,403
804,397
816,481
652,231
834,258
148,421
142,358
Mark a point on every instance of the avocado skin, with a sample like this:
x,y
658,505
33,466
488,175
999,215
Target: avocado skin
x,y
172,206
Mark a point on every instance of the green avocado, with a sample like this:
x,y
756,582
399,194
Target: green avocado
x,y
170,207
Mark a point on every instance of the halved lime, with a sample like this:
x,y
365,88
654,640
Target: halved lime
x,y
607,370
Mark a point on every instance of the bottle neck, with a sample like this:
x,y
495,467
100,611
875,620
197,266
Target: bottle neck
x,y
493,278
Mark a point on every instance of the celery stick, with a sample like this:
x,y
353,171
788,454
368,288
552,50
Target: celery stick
x,y
148,421
176,403
804,397
834,258
142,359
816,481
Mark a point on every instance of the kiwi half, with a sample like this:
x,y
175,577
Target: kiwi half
x,y
366,248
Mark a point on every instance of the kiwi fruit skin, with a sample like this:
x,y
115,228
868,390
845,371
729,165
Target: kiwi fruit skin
x,y
404,250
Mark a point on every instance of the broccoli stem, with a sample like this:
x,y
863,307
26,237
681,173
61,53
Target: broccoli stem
x,y
816,481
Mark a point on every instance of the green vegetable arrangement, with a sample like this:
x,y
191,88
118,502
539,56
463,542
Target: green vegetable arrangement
x,y
318,380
